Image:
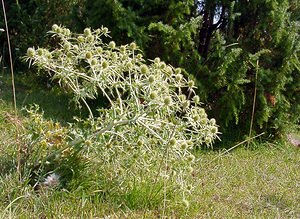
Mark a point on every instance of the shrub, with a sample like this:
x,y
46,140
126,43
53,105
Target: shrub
x,y
150,126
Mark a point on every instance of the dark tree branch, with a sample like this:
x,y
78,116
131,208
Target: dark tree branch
x,y
208,28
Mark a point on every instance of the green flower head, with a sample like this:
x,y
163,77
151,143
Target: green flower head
x,y
30,52
153,95
112,44
214,129
167,100
151,78
196,99
173,141
178,77
184,146
80,39
99,49
105,30
87,31
191,83
122,49
157,60
132,46
144,69
104,64
94,61
177,70
182,97
90,38
88,55
40,52
139,56
55,27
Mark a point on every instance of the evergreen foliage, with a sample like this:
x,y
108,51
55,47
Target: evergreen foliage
x,y
223,44
29,21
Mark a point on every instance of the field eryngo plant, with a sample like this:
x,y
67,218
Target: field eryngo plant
x,y
153,119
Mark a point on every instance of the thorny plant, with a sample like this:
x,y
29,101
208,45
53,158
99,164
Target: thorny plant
x,y
153,117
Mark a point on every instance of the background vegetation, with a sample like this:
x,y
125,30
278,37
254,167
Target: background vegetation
x,y
222,44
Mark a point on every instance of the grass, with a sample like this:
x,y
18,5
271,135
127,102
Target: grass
x,y
258,182
55,104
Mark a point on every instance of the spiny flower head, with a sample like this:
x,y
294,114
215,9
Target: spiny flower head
x,y
184,145
104,64
40,52
94,61
55,27
139,56
167,100
122,49
144,69
80,39
178,77
88,55
196,99
177,70
30,52
153,95
112,44
105,30
151,79
191,83
99,49
173,141
157,60
52,180
132,46
90,38
87,31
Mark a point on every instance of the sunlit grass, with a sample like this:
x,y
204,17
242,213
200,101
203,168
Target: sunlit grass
x,y
247,183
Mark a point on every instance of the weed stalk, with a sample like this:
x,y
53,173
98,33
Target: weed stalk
x,y
10,59
13,89
254,103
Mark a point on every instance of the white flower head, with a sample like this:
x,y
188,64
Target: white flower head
x,y
52,180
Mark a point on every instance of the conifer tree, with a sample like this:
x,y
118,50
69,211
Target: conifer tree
x,y
223,44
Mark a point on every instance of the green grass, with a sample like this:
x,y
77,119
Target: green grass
x,y
259,182
55,104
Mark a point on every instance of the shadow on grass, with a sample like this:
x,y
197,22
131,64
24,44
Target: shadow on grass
x,y
55,104
7,165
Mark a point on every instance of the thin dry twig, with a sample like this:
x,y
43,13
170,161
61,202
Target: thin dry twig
x,y
10,59
254,103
